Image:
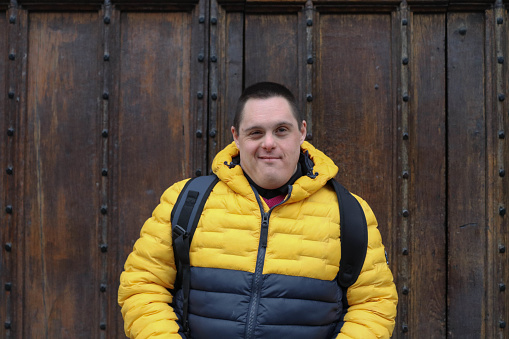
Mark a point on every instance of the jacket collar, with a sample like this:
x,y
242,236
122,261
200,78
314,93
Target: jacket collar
x,y
316,167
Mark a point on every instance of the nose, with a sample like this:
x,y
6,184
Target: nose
x,y
268,142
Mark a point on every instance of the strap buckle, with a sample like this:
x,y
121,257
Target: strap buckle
x,y
179,231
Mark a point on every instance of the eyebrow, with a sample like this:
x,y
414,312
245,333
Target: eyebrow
x,y
288,123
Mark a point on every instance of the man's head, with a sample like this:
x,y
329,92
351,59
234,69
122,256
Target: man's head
x,y
268,132
265,90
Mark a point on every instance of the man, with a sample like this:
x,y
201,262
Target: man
x,y
266,251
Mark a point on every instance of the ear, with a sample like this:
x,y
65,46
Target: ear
x,y
303,131
235,136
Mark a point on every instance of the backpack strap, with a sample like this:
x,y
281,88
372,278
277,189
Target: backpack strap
x,y
184,219
354,236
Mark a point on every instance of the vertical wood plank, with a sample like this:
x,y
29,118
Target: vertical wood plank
x,y
19,163
153,121
427,160
271,48
503,184
400,237
353,115
107,288
497,84
61,205
231,50
466,175
155,113
5,260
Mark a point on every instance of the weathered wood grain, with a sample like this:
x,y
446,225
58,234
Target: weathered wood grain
x,y
153,142
230,48
427,176
466,188
5,260
353,114
271,49
61,196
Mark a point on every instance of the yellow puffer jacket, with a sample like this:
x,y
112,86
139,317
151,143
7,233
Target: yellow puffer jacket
x,y
248,281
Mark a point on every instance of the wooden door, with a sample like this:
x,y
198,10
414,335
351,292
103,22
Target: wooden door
x,y
104,104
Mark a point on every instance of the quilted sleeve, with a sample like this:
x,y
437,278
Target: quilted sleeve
x,y
149,272
373,298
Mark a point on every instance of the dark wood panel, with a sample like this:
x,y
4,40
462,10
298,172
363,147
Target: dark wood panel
x,y
497,76
271,49
231,50
5,262
353,114
154,118
503,235
427,193
61,192
466,175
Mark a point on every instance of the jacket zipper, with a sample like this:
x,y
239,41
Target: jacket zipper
x,y
260,259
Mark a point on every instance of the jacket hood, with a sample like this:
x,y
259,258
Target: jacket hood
x,y
323,169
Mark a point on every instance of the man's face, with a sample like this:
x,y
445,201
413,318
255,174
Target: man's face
x,y
269,140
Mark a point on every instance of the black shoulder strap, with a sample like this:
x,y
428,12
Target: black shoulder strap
x,y
184,219
354,236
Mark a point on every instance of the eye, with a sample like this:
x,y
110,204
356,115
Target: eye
x,y
281,129
255,133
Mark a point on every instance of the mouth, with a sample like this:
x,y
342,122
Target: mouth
x,y
266,158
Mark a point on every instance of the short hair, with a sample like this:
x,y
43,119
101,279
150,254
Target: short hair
x,y
265,90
